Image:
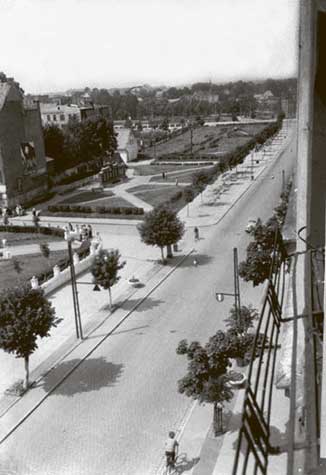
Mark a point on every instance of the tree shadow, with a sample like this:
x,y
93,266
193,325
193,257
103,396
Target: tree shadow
x,y
201,260
183,464
93,374
218,203
147,304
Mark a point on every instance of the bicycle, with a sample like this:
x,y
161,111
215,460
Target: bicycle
x,y
170,463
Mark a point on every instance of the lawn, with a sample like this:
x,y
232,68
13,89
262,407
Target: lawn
x,y
182,177
86,196
30,264
110,201
146,170
156,195
27,238
207,139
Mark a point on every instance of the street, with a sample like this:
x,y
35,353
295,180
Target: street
x,y
113,413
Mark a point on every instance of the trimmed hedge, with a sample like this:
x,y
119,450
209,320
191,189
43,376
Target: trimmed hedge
x,y
14,228
97,209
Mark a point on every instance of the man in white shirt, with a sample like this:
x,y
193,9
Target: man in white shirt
x,y
171,446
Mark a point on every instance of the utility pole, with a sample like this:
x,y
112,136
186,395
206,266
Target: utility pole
x,y
79,330
237,302
191,144
252,164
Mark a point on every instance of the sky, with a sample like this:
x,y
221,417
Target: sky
x,y
55,45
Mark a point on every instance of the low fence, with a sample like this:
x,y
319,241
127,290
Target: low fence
x,y
61,277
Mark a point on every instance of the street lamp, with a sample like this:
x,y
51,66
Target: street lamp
x,y
220,295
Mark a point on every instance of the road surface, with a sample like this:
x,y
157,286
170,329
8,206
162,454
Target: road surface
x,y
112,415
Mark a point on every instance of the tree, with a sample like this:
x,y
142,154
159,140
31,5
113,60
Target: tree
x,y
188,195
165,125
26,315
54,143
206,379
161,227
241,324
45,249
105,269
200,180
258,264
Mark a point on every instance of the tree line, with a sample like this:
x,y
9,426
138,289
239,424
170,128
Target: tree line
x,y
233,97
89,141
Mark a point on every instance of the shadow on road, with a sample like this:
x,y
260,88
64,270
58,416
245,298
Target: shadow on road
x,y
183,464
89,375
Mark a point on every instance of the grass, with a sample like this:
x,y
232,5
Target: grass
x,y
182,177
85,196
27,238
155,195
112,202
30,264
146,170
207,139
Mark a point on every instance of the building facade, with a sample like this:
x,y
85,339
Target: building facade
x,y
23,171
60,115
127,144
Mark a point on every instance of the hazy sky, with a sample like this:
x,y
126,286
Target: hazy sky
x,y
53,45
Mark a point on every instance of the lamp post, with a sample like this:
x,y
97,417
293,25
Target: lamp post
x,y
220,295
69,237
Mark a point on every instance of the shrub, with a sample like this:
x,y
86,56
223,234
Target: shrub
x,y
32,229
126,210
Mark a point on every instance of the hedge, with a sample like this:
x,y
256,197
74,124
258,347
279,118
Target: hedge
x,y
14,228
97,209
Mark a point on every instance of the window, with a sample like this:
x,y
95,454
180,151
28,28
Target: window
x,y
54,117
62,117
48,118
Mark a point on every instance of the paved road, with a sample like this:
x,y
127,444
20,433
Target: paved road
x,y
112,414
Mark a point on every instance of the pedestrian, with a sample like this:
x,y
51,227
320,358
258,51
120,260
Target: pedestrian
x,y
219,407
90,231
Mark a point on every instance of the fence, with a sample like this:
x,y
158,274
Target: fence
x,y
253,446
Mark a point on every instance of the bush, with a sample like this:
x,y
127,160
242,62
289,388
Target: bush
x,y
126,210
32,229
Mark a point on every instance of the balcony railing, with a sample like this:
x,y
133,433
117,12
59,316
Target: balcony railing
x,y
253,446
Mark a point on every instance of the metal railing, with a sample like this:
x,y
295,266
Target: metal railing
x,y
253,445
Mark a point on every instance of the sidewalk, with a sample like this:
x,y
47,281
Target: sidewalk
x,y
98,323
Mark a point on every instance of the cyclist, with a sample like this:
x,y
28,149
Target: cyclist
x,y
196,233
171,447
